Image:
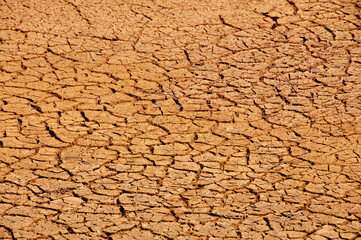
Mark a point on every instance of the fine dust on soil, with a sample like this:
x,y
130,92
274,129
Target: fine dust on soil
x,y
180,119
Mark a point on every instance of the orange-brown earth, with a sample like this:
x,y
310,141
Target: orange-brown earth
x,y
180,119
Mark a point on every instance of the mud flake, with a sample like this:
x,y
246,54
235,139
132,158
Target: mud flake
x,y
171,149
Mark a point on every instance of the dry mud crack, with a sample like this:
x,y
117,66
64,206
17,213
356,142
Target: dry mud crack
x,y
217,119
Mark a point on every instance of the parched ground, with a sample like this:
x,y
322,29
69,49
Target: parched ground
x,y
219,119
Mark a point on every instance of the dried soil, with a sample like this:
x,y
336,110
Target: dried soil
x,y
217,119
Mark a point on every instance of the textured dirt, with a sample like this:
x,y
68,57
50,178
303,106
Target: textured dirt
x,y
180,119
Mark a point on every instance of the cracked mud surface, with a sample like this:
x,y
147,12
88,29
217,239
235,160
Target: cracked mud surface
x,y
180,119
